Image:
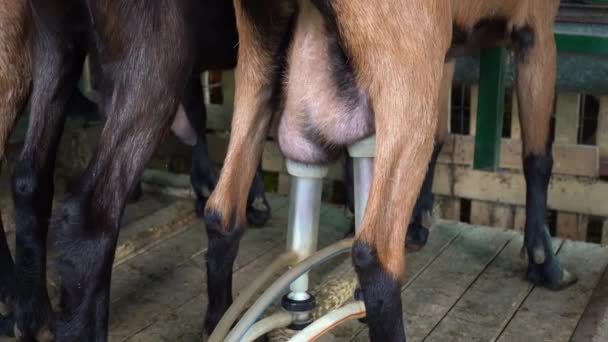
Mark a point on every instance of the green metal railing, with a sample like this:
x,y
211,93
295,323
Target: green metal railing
x,y
492,91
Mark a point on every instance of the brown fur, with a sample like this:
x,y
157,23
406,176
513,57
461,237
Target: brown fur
x,y
402,77
15,68
252,111
402,71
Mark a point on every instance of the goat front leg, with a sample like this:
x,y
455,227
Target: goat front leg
x,y
262,31
57,63
148,78
401,68
536,68
15,81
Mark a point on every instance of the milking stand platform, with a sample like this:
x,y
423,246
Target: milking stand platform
x,y
466,284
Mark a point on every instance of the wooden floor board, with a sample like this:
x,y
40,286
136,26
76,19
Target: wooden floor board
x,y
259,247
552,316
466,285
593,326
488,305
443,235
429,298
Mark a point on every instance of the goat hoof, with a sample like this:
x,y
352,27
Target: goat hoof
x,y
199,207
550,275
359,296
566,279
6,309
17,333
417,236
538,255
136,194
258,212
7,326
45,335
33,321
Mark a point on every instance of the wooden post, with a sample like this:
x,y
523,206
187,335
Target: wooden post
x,y
567,112
602,135
450,208
572,226
284,184
502,216
515,125
481,213
205,82
228,87
474,104
519,221
605,233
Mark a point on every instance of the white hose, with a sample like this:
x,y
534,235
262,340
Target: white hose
x,y
268,324
331,320
223,327
256,310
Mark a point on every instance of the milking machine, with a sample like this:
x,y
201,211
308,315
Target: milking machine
x,y
299,306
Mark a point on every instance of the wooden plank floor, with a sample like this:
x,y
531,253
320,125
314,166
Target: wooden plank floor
x,y
465,285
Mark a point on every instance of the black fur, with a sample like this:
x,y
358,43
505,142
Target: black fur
x,y
222,249
143,53
417,234
57,62
258,208
523,39
381,294
537,170
201,173
486,33
7,283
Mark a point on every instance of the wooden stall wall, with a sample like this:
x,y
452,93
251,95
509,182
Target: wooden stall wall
x,y
578,194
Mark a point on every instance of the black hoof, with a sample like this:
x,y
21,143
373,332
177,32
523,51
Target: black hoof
x,y
550,275
199,206
6,326
359,296
258,212
34,322
544,268
417,236
136,195
43,335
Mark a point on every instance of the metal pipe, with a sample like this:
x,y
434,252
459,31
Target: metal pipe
x,y
281,284
331,320
363,170
223,327
363,153
303,226
268,324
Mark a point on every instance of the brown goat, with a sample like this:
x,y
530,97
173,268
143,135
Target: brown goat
x,y
15,81
148,56
391,69
15,74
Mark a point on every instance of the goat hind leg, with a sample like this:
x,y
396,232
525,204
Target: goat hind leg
x,y
418,230
262,30
536,68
